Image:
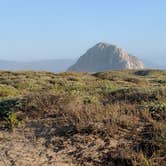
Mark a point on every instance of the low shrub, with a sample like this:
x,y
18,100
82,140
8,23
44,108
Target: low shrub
x,y
12,121
7,91
137,95
157,110
9,105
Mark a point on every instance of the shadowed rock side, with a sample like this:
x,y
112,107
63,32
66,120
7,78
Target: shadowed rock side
x,y
103,57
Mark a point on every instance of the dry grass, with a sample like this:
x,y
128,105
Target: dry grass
x,y
109,118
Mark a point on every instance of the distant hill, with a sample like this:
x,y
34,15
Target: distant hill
x,y
155,63
103,57
55,65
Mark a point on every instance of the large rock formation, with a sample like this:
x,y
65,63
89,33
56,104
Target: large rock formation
x,y
103,57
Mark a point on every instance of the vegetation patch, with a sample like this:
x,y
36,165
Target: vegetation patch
x,y
106,118
7,91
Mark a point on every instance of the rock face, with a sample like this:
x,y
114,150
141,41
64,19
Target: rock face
x,y
103,57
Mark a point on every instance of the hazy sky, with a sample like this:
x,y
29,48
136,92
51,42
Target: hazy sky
x,y
42,29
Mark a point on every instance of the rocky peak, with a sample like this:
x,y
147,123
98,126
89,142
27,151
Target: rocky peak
x,y
104,56
102,45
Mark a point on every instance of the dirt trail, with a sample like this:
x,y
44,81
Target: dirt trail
x,y
17,150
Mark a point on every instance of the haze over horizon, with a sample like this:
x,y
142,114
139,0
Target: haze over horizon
x,y
37,30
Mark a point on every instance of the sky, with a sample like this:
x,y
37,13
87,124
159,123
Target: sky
x,y
65,29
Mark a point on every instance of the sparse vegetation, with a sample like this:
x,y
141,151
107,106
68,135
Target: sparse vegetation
x,y
107,118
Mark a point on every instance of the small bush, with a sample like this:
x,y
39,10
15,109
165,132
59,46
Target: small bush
x,y
7,91
12,121
9,105
90,100
158,110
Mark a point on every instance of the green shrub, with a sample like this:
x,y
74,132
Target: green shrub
x,y
90,100
9,105
157,107
12,121
7,91
150,73
157,110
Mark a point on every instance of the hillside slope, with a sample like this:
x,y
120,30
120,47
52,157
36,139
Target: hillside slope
x,y
107,118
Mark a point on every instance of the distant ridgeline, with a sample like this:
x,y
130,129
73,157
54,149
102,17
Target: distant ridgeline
x,y
101,57
54,65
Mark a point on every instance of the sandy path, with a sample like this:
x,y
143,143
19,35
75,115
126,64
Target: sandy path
x,y
17,150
